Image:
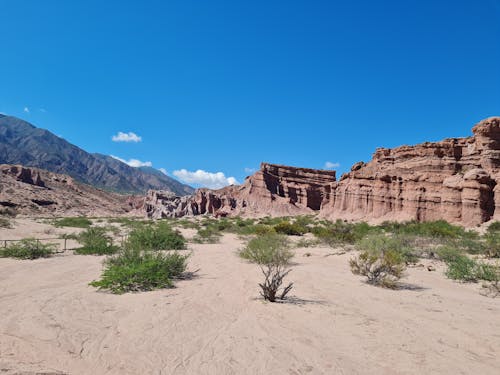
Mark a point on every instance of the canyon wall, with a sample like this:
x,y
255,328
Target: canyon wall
x,y
455,179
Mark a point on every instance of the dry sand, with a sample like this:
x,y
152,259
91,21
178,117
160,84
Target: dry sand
x,y
52,321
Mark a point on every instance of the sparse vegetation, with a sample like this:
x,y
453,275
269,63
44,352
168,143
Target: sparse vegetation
x,y
272,253
95,241
290,229
28,248
463,268
133,270
156,237
74,222
208,234
381,261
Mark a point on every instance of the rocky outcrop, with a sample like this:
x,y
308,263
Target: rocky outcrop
x,y
273,190
36,192
455,179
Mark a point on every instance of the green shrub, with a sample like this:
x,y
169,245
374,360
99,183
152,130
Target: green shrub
x,y
268,249
438,228
133,270
95,241
339,233
382,260
290,229
465,269
398,244
272,253
75,222
494,227
448,253
28,248
492,244
158,237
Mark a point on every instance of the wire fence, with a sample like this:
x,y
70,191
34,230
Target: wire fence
x,y
63,243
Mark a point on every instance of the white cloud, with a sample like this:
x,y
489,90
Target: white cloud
x,y
43,110
250,170
164,171
330,165
204,178
126,137
26,109
134,162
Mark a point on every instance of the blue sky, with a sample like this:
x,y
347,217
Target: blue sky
x,y
220,86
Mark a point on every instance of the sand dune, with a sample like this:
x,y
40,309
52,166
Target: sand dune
x,y
52,321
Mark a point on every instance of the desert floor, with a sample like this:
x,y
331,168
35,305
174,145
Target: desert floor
x,y
51,321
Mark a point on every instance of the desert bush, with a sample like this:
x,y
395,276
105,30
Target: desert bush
x,y
492,244
28,248
380,261
438,228
494,227
75,222
465,269
95,241
290,229
268,248
448,253
157,237
339,233
5,223
272,253
133,270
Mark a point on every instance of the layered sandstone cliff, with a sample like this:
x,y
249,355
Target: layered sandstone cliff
x,y
455,179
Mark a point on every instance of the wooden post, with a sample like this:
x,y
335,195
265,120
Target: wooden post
x,y
65,239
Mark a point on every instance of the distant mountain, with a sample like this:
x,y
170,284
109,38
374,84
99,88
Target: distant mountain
x,y
23,143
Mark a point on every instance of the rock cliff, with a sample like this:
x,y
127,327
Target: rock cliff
x,y
36,192
455,179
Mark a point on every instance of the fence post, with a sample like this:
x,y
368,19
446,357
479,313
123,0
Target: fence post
x,y
5,243
65,239
38,244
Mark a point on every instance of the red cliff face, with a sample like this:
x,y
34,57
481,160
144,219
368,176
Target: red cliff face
x,y
455,179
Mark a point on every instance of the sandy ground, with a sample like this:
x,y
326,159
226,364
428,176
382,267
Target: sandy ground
x,y
51,321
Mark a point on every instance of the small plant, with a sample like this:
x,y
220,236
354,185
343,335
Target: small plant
x,y
133,270
158,237
381,263
95,241
74,222
28,248
272,253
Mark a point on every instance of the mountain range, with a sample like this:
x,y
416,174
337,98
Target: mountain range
x,y
24,144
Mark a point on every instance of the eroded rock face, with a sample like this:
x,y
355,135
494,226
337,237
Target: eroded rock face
x,y
455,179
36,192
274,190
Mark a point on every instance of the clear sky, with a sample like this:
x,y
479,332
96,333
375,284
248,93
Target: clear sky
x,y
220,86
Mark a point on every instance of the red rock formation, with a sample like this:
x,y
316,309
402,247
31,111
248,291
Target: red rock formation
x,y
455,179
274,190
